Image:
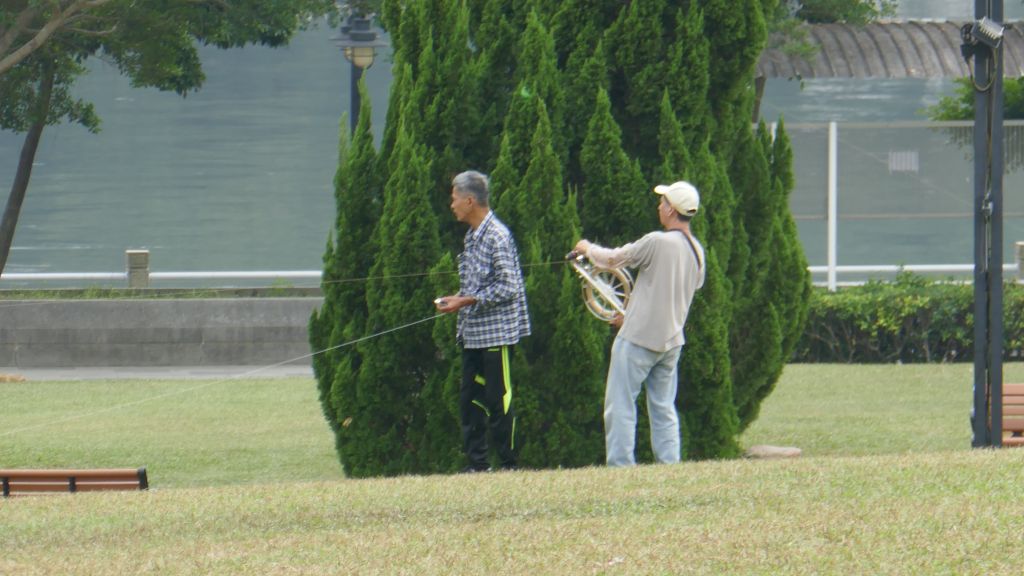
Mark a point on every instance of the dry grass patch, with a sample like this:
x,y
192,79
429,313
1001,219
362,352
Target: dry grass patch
x,y
956,512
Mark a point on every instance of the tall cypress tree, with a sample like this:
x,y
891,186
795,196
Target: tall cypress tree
x,y
640,106
737,31
537,65
756,316
443,90
640,69
689,77
438,444
342,317
586,73
388,418
705,398
675,156
564,359
496,37
617,204
786,283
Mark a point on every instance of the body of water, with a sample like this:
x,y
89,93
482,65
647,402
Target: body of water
x,y
237,176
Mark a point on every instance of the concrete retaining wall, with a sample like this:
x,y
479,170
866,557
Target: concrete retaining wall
x,y
190,332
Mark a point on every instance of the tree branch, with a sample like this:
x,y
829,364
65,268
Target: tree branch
x,y
94,33
20,25
57,21
222,3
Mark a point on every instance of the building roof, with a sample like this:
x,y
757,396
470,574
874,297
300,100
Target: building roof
x,y
888,49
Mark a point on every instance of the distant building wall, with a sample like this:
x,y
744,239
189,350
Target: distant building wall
x,y
188,332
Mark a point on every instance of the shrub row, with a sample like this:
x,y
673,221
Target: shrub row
x,y
910,320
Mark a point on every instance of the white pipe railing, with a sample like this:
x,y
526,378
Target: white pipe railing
x,y
72,276
241,275
833,273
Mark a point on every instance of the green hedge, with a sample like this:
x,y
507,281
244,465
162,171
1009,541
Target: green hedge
x,y
910,320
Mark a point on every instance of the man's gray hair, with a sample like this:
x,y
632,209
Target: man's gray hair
x,y
475,184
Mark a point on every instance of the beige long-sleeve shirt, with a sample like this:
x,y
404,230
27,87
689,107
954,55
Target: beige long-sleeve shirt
x,y
669,275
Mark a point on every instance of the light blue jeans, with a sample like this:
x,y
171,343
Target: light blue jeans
x,y
631,367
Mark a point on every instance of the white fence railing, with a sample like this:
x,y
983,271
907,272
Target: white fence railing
x,y
833,274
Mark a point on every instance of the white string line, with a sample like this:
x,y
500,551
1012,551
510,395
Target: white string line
x,y
214,382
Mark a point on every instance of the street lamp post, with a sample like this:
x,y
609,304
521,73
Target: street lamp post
x,y
358,42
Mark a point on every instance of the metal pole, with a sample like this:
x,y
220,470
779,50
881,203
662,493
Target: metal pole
x,y
995,263
833,202
357,74
986,416
979,413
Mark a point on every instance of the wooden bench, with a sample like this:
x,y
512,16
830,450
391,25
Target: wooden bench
x,y
69,480
1013,414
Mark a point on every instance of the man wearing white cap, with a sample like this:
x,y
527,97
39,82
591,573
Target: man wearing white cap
x,y
650,339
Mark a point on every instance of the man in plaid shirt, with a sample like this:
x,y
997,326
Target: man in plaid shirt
x,y
492,318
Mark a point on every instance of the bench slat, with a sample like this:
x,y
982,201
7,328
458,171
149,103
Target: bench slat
x,y
1013,413
1013,425
106,486
62,479
69,472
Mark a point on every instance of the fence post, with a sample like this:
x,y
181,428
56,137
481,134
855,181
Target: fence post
x,y
138,268
833,202
1020,261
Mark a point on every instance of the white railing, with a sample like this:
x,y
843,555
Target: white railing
x,y
833,274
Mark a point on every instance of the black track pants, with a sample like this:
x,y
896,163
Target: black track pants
x,y
485,401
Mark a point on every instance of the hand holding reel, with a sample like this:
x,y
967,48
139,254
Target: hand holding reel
x,y
605,291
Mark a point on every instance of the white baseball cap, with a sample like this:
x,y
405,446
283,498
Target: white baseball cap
x,y
681,196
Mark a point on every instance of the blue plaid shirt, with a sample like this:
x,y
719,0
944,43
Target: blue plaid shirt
x,y
489,271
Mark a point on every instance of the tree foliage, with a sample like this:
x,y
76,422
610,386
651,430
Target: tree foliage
x,y
960,104
848,11
576,109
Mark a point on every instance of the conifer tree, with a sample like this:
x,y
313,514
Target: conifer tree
x,y
689,78
563,359
640,70
718,203
388,417
736,31
672,146
537,65
597,96
497,39
443,90
586,73
616,199
787,282
705,397
756,316
439,443
348,259
325,320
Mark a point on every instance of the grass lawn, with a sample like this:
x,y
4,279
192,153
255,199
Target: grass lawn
x,y
248,484
186,433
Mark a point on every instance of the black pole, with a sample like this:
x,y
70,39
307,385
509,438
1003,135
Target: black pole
x,y
357,74
995,267
986,416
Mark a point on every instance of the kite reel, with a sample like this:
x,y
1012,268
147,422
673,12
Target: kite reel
x,y
605,291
